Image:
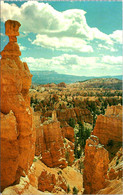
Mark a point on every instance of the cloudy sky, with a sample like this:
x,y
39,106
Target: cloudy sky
x,y
77,38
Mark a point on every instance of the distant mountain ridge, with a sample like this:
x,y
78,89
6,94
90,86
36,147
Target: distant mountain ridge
x,y
44,77
105,83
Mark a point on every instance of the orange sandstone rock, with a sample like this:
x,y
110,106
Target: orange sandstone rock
x,y
24,187
83,115
9,149
69,152
109,126
115,166
95,166
19,147
49,179
12,28
114,187
53,151
46,181
49,142
68,132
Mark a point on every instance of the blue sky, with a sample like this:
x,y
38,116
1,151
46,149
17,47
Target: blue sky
x,y
77,38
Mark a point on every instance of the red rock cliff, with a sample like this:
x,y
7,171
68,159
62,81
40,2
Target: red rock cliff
x,y
17,132
109,126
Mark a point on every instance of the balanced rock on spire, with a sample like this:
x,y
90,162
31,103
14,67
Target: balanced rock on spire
x,y
17,131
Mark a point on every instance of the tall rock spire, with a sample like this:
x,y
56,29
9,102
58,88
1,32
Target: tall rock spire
x,y
17,132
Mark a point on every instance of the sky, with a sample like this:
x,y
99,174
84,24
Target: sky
x,y
74,37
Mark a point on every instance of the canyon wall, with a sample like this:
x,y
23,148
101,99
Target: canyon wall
x,y
17,131
64,115
109,126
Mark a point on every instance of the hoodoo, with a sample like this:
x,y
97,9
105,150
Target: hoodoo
x,y
95,166
17,132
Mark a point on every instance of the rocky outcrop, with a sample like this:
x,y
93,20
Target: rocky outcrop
x,y
69,151
114,187
49,142
64,115
95,166
53,151
56,180
83,115
17,132
109,126
115,166
49,179
9,149
114,176
24,187
62,84
68,132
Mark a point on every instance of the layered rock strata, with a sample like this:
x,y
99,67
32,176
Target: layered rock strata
x,y
49,142
95,166
109,126
17,132
64,115
68,132
114,187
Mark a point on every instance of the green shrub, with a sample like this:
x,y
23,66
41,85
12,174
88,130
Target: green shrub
x,y
75,190
72,122
34,160
68,189
110,143
67,156
59,172
65,141
117,162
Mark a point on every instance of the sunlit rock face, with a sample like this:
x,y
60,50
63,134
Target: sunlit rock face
x,y
95,166
17,132
109,126
49,142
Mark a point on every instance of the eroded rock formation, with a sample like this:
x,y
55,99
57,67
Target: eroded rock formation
x,y
56,180
64,115
17,132
109,126
114,187
52,150
49,142
95,166
68,132
83,115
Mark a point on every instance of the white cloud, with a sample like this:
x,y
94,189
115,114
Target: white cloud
x,y
117,36
67,30
22,47
112,60
62,43
74,64
109,47
1,34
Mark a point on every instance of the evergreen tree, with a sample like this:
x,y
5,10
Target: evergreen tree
x,y
72,122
